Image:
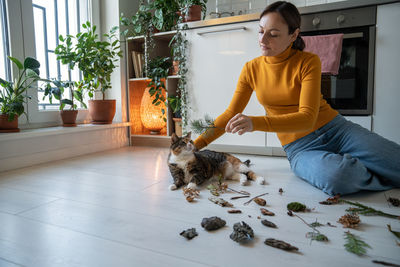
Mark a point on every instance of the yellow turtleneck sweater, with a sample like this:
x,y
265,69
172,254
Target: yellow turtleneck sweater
x,y
289,88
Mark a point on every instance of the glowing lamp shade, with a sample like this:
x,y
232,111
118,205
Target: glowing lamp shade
x,y
150,114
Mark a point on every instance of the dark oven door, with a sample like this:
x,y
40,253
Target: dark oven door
x,y
351,91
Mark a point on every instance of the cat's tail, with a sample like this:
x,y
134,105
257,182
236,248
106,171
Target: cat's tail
x,y
247,163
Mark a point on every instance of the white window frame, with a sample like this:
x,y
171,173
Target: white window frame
x,y
21,33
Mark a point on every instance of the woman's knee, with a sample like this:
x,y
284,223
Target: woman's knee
x,y
344,176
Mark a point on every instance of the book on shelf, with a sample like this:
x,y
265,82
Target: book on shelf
x,y
137,60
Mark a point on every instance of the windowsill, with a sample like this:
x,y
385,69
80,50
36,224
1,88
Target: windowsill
x,y
29,133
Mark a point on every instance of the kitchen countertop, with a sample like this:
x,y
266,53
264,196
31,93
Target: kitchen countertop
x,y
303,10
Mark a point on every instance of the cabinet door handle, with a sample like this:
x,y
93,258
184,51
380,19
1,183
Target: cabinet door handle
x,y
224,30
353,35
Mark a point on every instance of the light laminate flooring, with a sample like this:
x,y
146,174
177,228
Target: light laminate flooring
x,y
114,209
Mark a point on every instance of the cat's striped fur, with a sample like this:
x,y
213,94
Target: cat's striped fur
x,y
192,167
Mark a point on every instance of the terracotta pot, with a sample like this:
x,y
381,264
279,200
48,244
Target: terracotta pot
x,y
8,126
69,117
178,126
194,13
102,111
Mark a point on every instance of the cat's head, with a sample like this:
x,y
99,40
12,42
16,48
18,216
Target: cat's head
x,y
182,145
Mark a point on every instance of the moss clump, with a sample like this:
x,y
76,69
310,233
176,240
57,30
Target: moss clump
x,y
296,206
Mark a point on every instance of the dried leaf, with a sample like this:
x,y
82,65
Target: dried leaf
x,y
280,244
260,201
220,201
331,200
190,194
234,211
269,224
267,212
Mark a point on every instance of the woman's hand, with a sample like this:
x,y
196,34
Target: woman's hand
x,y
239,124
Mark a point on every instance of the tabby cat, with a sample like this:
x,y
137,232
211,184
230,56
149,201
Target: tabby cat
x,y
192,167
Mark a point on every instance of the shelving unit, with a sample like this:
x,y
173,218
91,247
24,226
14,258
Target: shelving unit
x,y
138,133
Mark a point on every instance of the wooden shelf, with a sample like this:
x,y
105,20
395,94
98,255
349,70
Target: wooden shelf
x,y
157,36
136,86
145,78
151,140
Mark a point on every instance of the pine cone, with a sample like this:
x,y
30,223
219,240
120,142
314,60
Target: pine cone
x,y
349,220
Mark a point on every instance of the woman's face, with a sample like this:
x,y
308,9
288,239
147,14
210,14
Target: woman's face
x,y
273,35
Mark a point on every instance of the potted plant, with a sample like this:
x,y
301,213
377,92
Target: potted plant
x,y
158,70
96,59
68,116
13,95
175,105
193,9
166,14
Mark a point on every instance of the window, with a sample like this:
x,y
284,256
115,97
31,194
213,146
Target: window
x,y
5,72
51,19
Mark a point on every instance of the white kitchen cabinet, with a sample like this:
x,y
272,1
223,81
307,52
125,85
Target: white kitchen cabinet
x,y
216,57
386,119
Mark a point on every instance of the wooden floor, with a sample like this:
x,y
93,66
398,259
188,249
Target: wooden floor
x,y
114,209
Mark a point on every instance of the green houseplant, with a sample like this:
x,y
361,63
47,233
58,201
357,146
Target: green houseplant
x,y
13,95
157,73
56,89
97,60
193,9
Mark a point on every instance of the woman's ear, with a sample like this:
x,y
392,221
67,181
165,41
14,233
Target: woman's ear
x,y
295,34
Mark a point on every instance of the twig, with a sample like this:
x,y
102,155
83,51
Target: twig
x,y
385,263
307,223
233,198
239,192
365,210
247,202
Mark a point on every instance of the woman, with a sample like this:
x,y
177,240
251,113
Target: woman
x,y
323,148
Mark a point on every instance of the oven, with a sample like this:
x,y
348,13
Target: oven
x,y
351,90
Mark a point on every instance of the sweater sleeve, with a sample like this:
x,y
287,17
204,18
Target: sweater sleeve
x,y
306,116
238,103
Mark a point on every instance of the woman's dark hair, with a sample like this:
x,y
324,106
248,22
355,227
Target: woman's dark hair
x,y
291,15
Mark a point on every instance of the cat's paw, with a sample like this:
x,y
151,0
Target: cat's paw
x,y
191,186
260,180
172,187
243,180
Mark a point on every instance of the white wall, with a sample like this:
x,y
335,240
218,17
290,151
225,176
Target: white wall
x,y
110,11
386,119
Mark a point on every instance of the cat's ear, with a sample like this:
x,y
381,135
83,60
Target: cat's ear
x,y
174,138
189,135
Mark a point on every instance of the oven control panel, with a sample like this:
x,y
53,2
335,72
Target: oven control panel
x,y
339,19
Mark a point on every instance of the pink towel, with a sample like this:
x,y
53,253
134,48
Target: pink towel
x,y
328,48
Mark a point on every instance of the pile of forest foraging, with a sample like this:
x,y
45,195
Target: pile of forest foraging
x,y
243,233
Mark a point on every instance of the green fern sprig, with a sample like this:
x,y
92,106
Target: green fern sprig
x,y
365,210
201,125
355,245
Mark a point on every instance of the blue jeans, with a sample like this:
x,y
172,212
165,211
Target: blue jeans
x,y
342,157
